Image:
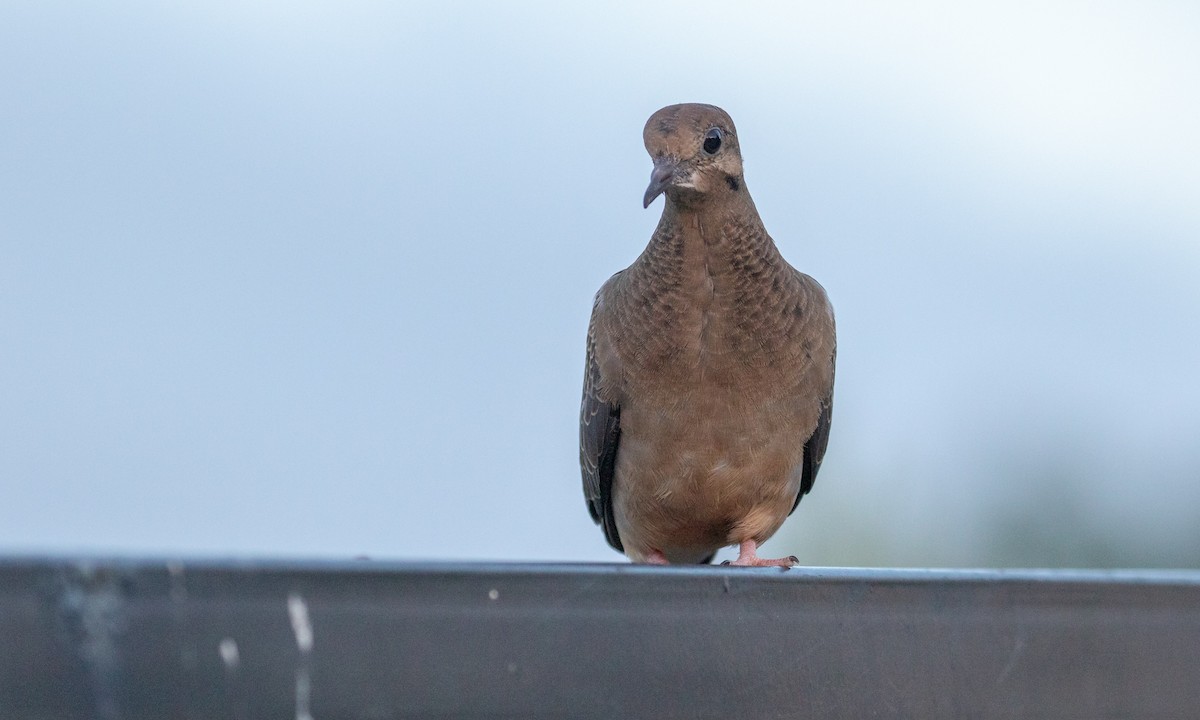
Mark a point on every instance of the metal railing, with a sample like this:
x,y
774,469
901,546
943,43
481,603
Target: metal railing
x,y
141,639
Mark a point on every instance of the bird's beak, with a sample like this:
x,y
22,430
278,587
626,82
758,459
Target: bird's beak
x,y
660,179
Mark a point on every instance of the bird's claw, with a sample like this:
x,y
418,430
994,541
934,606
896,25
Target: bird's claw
x,y
748,557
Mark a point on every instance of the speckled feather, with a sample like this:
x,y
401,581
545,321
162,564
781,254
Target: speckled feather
x,y
710,365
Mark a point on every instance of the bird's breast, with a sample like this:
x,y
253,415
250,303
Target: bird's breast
x,y
708,330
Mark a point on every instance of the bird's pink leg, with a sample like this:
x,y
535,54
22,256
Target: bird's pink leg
x,y
748,557
656,557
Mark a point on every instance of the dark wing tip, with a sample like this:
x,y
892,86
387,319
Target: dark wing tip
x,y
599,437
599,440
814,451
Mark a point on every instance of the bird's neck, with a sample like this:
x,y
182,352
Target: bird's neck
x,y
699,286
723,238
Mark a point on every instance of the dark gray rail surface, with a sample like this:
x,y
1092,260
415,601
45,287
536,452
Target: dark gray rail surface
x,y
105,639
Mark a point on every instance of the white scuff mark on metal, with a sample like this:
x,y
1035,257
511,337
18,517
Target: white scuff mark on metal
x,y
1017,650
303,630
228,650
92,604
301,627
303,693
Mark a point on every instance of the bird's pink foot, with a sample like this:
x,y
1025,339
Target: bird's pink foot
x,y
656,557
748,557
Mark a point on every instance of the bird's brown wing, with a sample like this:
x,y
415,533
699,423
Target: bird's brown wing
x,y
599,436
814,447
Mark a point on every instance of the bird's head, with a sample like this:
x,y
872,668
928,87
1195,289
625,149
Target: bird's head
x,y
695,152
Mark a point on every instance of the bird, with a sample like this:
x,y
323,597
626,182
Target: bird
x,y
708,384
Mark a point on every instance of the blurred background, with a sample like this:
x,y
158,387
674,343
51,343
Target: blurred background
x,y
312,279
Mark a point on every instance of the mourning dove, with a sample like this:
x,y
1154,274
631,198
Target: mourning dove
x,y
710,360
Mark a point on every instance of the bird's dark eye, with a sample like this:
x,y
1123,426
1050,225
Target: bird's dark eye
x,y
712,141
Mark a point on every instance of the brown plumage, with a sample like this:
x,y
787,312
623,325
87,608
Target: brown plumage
x,y
710,362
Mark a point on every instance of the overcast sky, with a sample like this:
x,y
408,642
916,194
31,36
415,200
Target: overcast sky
x,y
312,279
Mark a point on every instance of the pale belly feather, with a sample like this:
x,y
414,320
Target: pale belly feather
x,y
703,472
